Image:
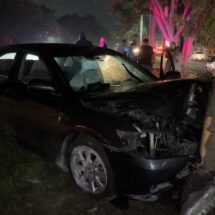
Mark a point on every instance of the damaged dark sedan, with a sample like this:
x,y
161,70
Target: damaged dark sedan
x,y
114,126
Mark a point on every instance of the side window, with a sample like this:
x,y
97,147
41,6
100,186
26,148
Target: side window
x,y
33,68
6,62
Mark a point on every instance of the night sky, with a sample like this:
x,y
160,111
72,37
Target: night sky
x,y
99,8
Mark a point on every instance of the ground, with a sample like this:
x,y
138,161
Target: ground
x,y
31,185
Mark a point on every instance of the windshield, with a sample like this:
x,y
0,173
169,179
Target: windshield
x,y
83,73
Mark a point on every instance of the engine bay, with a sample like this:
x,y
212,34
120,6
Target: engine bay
x,y
174,128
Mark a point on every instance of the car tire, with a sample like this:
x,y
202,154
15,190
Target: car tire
x,y
90,168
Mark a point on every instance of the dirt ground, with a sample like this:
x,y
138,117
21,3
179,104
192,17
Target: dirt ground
x,y
30,185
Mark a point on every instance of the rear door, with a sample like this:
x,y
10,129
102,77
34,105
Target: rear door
x,y
8,61
35,104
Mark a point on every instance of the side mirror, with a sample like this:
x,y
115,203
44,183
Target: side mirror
x,y
41,85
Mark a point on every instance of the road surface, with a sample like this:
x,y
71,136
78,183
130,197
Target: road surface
x,y
194,66
197,66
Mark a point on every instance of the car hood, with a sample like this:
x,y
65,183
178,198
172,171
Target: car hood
x,y
161,98
125,91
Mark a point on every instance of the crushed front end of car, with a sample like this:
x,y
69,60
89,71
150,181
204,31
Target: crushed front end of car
x,y
161,145
200,198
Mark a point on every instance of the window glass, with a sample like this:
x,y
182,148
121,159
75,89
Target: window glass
x,y
114,71
8,56
32,57
83,72
6,62
33,68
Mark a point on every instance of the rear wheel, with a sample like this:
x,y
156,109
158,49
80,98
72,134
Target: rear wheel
x,y
90,167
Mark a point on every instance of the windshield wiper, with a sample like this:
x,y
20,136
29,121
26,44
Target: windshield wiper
x,y
97,86
130,73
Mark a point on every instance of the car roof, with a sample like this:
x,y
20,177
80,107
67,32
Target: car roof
x,y
62,49
57,48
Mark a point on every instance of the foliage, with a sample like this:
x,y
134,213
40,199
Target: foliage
x,y
133,32
129,11
206,33
130,8
174,18
130,33
72,25
23,20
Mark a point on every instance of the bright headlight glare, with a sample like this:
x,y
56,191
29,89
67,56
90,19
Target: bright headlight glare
x,y
167,43
136,51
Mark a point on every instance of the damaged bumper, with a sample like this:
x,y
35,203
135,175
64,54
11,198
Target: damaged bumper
x,y
146,173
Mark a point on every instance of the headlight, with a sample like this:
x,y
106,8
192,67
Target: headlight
x,y
131,139
136,51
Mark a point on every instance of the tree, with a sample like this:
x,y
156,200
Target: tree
x,y
206,33
174,18
72,25
25,21
129,14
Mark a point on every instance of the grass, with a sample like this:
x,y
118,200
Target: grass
x,y
30,185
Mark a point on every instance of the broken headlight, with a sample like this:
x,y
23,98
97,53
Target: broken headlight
x,y
130,139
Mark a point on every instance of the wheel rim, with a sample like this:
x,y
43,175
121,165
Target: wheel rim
x,y
88,169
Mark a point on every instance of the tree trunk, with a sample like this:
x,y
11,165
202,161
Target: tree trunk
x,y
186,52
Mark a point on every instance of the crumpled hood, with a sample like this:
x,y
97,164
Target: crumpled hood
x,y
158,98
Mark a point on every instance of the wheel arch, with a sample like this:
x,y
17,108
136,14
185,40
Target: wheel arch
x,y
74,133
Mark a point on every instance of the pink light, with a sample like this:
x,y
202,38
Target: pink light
x,y
166,25
166,11
186,10
102,42
178,32
162,23
187,48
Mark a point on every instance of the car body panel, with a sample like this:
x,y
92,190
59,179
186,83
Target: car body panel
x,y
126,119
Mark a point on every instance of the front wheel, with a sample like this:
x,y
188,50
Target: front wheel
x,y
90,168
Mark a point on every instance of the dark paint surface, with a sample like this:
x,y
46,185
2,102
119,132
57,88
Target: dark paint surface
x,y
44,119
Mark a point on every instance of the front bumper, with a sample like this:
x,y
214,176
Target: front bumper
x,y
136,174
145,173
